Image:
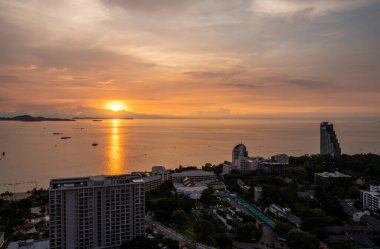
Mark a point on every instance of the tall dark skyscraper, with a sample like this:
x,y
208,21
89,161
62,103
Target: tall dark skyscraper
x,y
329,141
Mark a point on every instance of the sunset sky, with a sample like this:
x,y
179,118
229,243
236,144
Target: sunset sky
x,y
190,58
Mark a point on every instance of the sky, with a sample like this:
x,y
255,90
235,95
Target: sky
x,y
190,58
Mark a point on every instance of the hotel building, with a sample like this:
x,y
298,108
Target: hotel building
x,y
96,211
370,199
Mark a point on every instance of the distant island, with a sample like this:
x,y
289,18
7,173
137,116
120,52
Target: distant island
x,y
28,118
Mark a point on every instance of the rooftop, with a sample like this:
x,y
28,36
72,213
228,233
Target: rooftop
x,y
194,191
92,181
258,188
335,174
29,244
151,178
192,173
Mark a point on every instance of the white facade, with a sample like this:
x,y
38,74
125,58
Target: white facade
x,y
96,212
370,199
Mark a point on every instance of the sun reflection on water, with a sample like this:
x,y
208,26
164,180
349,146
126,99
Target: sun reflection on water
x,y
115,153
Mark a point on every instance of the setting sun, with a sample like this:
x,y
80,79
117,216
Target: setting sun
x,y
116,108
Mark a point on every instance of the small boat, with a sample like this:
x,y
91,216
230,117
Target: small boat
x,y
95,144
65,137
97,120
57,133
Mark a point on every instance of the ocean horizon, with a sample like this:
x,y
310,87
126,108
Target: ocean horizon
x,y
35,151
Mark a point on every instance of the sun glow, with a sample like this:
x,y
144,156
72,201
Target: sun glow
x,y
116,106
115,150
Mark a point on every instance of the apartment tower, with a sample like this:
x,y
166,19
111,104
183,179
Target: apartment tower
x,y
96,211
329,144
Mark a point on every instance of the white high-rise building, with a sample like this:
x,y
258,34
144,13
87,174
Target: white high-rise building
x,y
370,199
96,212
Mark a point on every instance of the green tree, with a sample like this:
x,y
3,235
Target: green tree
x,y
354,192
283,228
140,242
248,232
301,240
314,219
165,207
376,239
204,229
331,205
223,241
171,243
179,218
208,197
345,245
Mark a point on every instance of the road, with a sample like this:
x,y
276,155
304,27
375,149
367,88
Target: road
x,y
170,233
268,239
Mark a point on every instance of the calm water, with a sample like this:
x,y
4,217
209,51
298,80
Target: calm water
x,y
33,153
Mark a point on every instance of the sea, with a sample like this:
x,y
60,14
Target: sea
x,y
34,152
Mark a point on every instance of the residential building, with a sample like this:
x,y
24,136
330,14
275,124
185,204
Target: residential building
x,y
228,167
336,178
244,187
156,170
238,152
370,200
247,164
280,158
278,211
161,171
329,144
272,168
194,175
286,214
151,182
258,193
96,211
360,234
